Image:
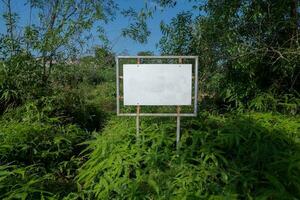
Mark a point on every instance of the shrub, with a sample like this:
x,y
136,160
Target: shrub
x,y
238,156
21,80
73,106
287,103
38,155
73,74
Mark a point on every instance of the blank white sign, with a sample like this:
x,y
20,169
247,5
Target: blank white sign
x,y
157,84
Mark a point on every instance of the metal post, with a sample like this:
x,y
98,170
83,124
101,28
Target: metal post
x,y
138,114
196,87
178,127
138,122
178,119
180,60
118,83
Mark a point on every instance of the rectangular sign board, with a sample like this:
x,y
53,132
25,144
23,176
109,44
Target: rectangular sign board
x,y
157,84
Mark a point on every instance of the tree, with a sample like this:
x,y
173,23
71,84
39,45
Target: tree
x,y
254,44
8,41
249,47
104,56
177,37
63,24
137,29
59,32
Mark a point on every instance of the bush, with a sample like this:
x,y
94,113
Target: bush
x,y
287,103
21,80
235,157
89,73
38,155
73,106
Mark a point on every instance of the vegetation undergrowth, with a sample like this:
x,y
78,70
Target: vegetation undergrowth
x,y
38,155
251,155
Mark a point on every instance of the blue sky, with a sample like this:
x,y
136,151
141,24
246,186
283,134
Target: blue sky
x,y
113,29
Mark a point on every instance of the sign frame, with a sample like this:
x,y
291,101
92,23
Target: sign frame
x,y
176,114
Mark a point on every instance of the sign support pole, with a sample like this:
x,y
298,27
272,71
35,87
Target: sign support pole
x,y
138,122
138,114
178,119
178,127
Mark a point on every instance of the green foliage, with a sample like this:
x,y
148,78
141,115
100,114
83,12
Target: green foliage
x,y
243,156
253,44
52,145
65,92
287,104
38,156
9,43
177,37
250,47
103,96
88,71
104,57
20,81
137,29
73,106
23,183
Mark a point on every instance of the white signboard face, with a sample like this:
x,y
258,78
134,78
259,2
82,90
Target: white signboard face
x,y
157,84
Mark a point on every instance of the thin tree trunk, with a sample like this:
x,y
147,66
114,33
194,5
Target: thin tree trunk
x,y
10,27
29,25
48,34
294,21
